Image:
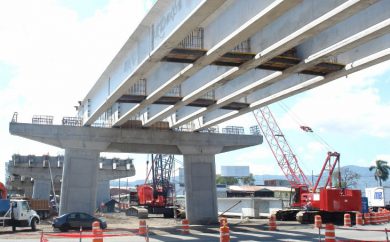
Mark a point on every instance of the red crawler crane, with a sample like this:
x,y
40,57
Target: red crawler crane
x,y
328,201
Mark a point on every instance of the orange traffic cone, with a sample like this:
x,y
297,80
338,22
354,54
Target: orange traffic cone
x,y
97,232
367,218
347,220
185,226
329,233
359,218
142,227
222,221
272,223
317,221
224,234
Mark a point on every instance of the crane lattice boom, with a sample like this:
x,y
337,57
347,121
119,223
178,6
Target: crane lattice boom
x,y
279,147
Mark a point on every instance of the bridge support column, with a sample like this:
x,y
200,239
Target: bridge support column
x,y
41,189
103,192
201,192
79,181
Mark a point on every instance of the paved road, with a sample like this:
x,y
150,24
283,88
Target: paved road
x,y
238,233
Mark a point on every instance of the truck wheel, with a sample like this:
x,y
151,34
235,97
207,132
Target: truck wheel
x,y
34,224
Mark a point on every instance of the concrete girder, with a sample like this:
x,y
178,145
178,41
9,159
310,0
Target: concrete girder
x,y
273,11
343,45
345,30
315,25
197,93
350,68
174,23
361,52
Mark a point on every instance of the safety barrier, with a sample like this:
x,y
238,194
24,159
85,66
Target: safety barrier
x,y
97,232
330,235
347,220
224,233
359,218
367,219
272,223
223,221
185,226
317,221
142,227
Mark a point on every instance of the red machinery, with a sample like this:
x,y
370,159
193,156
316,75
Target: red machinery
x,y
157,197
3,191
328,201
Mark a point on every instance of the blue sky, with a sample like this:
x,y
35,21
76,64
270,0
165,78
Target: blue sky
x,y
52,52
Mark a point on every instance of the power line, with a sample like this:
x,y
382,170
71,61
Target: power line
x,y
300,123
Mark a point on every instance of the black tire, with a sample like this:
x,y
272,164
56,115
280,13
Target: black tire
x,y
63,229
34,224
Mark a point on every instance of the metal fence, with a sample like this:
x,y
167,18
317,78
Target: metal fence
x,y
42,119
254,130
233,130
72,121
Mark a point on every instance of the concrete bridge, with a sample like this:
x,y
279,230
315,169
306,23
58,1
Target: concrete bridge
x,y
193,64
44,168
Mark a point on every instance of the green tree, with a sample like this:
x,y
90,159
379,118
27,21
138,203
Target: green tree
x,y
381,171
248,180
349,178
228,180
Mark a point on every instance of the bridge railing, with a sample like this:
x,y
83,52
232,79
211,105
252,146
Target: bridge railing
x,y
78,122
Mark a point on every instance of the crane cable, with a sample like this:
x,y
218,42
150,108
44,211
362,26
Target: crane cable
x,y
307,129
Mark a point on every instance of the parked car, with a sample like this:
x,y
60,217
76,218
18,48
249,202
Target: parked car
x,y
76,220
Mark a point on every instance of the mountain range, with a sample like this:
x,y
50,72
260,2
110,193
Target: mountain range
x,y
366,178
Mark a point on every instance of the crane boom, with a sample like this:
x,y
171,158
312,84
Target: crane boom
x,y
279,146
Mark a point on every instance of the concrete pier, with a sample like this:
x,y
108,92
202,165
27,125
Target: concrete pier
x,y
81,154
41,188
201,194
79,182
37,167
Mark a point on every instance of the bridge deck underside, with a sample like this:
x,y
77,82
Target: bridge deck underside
x,y
189,55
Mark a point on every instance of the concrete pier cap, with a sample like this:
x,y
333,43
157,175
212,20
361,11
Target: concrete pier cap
x,y
83,145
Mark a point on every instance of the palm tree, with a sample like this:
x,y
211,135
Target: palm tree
x,y
381,171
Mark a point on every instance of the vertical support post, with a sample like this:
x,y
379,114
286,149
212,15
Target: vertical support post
x,y
41,189
103,192
79,181
201,192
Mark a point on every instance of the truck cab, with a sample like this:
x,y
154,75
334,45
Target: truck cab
x,y
18,214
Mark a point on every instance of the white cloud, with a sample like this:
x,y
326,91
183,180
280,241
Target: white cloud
x,y
350,105
56,57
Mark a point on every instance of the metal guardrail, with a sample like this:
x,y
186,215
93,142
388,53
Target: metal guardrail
x,y
78,122
233,130
72,121
42,119
14,118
